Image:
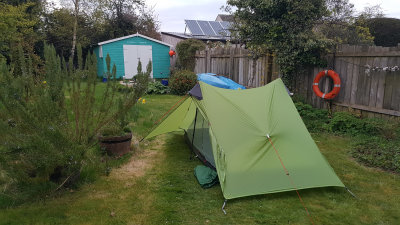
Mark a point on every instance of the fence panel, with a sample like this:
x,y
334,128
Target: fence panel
x,y
370,79
370,76
236,64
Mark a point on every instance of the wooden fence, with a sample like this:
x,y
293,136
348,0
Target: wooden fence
x,y
370,76
238,65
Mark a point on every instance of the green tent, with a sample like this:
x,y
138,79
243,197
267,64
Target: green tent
x,y
254,138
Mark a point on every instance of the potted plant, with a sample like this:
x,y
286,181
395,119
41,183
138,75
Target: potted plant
x,y
115,136
114,140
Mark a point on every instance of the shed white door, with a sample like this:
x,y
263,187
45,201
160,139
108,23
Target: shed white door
x,y
132,55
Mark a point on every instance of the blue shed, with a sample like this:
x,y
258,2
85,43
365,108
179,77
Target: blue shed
x,y
126,52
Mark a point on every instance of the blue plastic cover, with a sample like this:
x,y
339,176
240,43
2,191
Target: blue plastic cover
x,y
219,81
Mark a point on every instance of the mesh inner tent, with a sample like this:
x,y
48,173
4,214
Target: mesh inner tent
x,y
201,141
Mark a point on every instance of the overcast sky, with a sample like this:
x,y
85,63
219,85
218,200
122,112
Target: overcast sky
x,y
172,13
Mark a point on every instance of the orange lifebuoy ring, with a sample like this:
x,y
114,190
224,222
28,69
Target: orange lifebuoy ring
x,y
336,84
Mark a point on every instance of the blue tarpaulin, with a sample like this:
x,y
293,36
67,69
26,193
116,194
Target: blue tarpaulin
x,y
219,81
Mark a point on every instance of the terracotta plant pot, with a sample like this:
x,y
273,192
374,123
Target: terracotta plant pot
x,y
116,145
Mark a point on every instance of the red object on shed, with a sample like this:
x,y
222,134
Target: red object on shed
x,y
172,53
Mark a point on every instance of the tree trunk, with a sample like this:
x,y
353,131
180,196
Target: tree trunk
x,y
76,3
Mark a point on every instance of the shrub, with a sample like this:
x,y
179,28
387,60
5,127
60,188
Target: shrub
x,y
347,123
315,119
157,88
39,145
182,81
376,142
49,123
385,30
186,53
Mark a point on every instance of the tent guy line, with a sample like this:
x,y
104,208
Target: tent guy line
x,y
291,180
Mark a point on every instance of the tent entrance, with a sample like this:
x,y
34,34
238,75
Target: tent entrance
x,y
197,137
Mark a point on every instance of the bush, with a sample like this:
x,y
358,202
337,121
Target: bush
x,y
157,88
347,123
315,119
182,81
385,30
38,148
186,53
376,142
50,122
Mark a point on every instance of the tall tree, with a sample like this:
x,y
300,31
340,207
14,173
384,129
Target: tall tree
x,y
18,28
76,13
91,21
127,17
282,26
342,25
59,29
386,31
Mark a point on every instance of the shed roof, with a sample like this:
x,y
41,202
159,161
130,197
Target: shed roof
x,y
134,35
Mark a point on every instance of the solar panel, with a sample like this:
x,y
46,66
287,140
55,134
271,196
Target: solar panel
x,y
207,29
194,27
226,25
218,28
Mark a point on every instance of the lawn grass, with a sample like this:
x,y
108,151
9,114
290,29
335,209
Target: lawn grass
x,y
157,186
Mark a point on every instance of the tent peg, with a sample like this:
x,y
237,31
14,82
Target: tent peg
x,y
352,193
223,206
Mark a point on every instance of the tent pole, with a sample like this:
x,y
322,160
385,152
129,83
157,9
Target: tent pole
x,y
223,206
194,130
352,193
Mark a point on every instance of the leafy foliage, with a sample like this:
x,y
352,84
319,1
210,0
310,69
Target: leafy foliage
x,y
186,53
376,151
49,123
375,141
117,124
385,30
59,30
157,88
346,123
284,27
316,120
97,21
18,29
37,145
128,17
182,81
342,26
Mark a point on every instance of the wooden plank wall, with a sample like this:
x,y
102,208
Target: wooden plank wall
x,y
365,86
238,65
